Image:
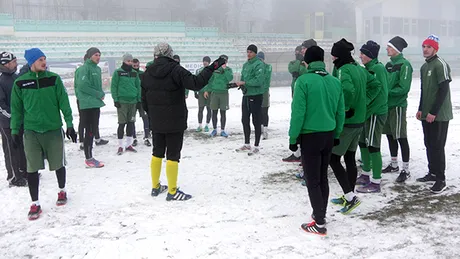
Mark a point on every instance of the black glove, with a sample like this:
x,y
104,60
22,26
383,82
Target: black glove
x,y
16,141
139,105
232,85
295,75
243,89
217,63
71,134
197,96
336,142
350,113
293,147
117,104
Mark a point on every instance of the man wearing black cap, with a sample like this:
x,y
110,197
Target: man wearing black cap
x,y
317,118
252,82
15,159
203,97
354,79
376,115
400,79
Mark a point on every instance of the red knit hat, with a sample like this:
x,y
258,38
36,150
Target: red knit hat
x,y
432,41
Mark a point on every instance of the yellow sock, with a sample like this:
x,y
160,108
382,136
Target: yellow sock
x,y
172,170
155,171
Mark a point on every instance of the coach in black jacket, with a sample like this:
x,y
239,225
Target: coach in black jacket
x,y
15,160
163,86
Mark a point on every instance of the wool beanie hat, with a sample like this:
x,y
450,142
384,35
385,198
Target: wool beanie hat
x,y
342,48
298,48
207,59
261,55
309,43
432,41
371,49
163,49
252,48
224,57
398,44
91,51
314,53
6,57
127,57
32,55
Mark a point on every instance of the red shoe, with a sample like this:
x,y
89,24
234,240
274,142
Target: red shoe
x,y
62,198
131,149
34,212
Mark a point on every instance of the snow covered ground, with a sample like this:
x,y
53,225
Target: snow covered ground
x,y
243,207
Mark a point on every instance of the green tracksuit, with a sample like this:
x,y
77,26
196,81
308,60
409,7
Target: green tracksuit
x,y
37,101
377,108
267,81
399,82
88,86
253,76
218,86
318,103
354,79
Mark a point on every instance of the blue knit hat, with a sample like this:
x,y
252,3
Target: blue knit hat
x,y
32,55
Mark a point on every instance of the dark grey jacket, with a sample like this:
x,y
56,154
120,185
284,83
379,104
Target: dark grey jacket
x,y
7,78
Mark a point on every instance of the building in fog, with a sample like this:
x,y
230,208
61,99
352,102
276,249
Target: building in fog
x,y
380,20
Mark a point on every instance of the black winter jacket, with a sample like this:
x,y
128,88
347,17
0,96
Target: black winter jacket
x,y
163,86
7,78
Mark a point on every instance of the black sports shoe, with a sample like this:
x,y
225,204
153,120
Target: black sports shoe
x,y
403,176
102,142
21,182
438,187
313,228
427,178
390,169
179,196
147,142
160,189
134,143
292,159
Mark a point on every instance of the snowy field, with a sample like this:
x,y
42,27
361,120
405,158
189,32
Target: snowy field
x,y
243,207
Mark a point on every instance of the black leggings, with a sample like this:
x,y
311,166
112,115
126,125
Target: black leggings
x,y
252,105
346,178
223,119
129,130
405,150
34,182
265,116
146,122
200,114
90,121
